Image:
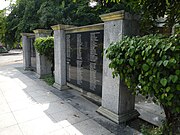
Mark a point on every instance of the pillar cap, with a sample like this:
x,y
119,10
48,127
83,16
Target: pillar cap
x,y
94,27
61,27
28,34
42,31
118,15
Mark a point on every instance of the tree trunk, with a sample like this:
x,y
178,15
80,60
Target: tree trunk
x,y
172,123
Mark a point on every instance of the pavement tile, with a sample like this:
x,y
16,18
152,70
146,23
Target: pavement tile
x,y
16,97
28,114
40,126
28,107
12,130
58,132
20,105
47,99
87,127
35,87
4,108
7,120
39,93
2,100
69,117
57,106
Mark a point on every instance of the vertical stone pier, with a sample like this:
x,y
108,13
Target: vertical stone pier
x,y
60,56
43,66
117,101
26,42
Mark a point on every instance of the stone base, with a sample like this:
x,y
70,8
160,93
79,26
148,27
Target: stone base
x,y
75,87
118,118
86,94
27,68
38,76
60,87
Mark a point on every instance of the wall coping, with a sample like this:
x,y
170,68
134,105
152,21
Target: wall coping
x,y
42,31
94,27
118,15
61,27
28,34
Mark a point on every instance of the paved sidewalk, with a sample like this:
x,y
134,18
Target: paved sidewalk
x,y
30,107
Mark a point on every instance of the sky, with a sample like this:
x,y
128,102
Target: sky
x,y
4,4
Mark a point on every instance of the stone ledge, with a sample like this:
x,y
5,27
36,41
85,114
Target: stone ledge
x,y
61,27
42,31
118,15
28,34
94,27
118,118
75,87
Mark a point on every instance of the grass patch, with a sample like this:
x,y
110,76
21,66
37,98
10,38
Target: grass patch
x,y
147,130
49,79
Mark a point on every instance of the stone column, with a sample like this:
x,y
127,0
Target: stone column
x,y
117,101
26,42
60,56
43,66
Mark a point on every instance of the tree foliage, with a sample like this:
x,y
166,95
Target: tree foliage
x,y
151,10
2,26
29,15
150,65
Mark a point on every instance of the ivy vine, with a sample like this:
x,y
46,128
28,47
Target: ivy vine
x,y
45,46
150,65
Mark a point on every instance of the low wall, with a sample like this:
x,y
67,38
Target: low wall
x,y
79,62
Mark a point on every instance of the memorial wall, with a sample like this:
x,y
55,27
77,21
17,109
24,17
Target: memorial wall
x,y
84,59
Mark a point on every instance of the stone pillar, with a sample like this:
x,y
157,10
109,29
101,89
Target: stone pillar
x,y
26,42
60,56
43,66
117,101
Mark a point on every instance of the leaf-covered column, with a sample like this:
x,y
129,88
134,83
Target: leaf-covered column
x,y
43,65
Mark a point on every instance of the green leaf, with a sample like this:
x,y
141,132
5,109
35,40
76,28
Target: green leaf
x,y
131,61
150,78
177,72
178,109
169,103
165,63
168,89
120,61
159,63
145,67
139,77
162,96
170,97
178,87
163,82
172,60
174,78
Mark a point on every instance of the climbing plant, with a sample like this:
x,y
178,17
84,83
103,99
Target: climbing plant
x,y
45,46
150,65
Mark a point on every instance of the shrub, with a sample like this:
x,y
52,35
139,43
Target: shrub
x,y
145,130
49,79
45,46
150,65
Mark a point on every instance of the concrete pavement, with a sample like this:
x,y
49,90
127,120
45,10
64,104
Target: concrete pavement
x,y
28,106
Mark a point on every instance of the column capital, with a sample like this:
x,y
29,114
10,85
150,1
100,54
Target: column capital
x,y
118,15
61,27
42,31
28,34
